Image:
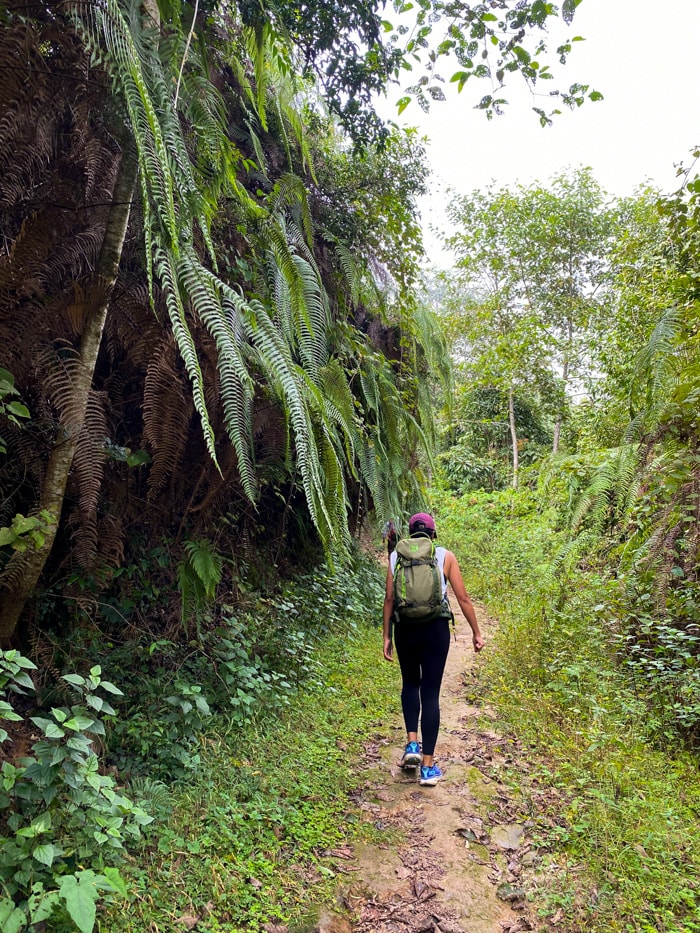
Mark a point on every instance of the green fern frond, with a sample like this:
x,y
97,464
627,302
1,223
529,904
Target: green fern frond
x,y
607,498
220,309
185,342
206,563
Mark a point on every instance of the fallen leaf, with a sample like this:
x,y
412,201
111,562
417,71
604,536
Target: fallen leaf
x,y
188,921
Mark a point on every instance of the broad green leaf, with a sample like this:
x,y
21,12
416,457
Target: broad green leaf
x,y
80,894
6,712
42,822
18,409
24,680
79,723
94,780
21,661
41,905
7,536
13,920
116,882
74,679
45,854
138,457
48,727
110,688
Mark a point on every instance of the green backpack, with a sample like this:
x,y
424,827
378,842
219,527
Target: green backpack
x,y
417,584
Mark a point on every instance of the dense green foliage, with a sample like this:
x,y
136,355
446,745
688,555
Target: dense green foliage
x,y
215,366
239,754
623,829
592,565
223,167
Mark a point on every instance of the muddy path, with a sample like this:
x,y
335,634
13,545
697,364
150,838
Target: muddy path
x,y
455,853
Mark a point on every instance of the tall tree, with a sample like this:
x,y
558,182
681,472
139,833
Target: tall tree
x,y
564,234
540,256
499,339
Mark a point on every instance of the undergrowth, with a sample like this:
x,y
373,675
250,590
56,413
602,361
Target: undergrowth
x,y
233,756
250,839
623,829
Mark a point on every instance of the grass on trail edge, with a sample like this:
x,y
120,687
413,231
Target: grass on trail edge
x,y
615,816
247,842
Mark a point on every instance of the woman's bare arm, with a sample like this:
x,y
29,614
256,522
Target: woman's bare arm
x,y
388,610
454,578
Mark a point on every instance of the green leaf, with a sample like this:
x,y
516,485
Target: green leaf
x,y
48,727
74,679
79,723
24,680
42,822
6,712
110,688
41,904
80,894
568,8
94,780
117,883
18,409
7,536
138,457
45,854
12,919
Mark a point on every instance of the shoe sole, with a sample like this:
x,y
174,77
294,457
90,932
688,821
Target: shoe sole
x,y
411,761
431,782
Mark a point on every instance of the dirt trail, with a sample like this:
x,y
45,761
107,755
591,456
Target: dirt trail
x,y
458,870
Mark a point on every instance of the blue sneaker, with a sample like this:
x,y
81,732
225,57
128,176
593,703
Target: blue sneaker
x,y
430,775
411,757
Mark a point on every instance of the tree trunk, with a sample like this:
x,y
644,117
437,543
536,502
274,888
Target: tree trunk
x,y
560,416
565,381
513,436
24,568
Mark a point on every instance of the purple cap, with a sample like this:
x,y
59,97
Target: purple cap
x,y
427,521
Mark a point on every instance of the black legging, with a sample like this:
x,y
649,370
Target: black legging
x,y
422,651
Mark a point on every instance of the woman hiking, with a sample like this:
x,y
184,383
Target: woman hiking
x,y
422,648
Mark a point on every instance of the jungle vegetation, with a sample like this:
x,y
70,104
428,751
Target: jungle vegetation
x,y
221,358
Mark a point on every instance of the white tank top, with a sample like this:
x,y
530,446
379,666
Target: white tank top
x,y
439,553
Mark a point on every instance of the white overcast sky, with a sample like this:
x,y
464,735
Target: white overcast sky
x,y
644,57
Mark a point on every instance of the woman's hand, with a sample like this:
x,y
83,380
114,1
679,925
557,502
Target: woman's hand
x,y
388,650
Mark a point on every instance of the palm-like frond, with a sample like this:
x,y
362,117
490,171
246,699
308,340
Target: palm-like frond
x,y
221,310
607,498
